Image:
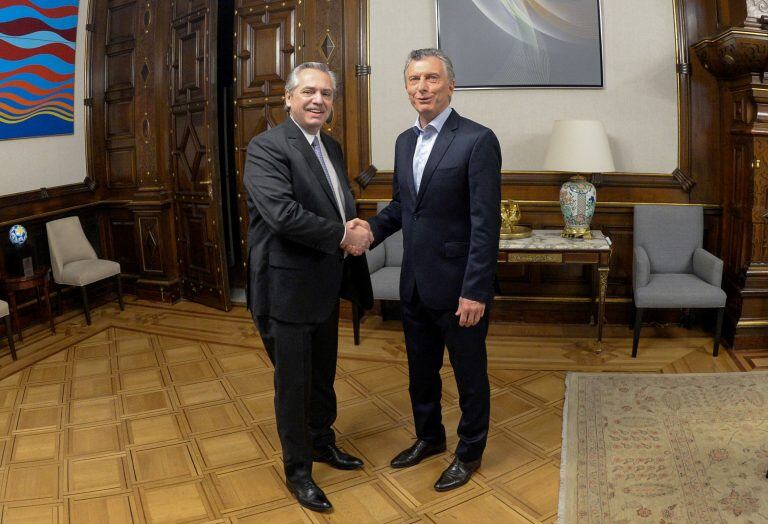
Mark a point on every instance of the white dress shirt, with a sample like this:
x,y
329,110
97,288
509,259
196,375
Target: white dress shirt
x,y
335,186
331,172
425,142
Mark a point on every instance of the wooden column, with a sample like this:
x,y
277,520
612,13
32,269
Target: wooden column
x,y
128,151
737,58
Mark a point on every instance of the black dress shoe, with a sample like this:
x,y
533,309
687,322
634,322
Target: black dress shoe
x,y
336,458
420,450
456,475
309,495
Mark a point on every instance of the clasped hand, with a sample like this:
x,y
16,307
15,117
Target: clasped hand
x,y
358,237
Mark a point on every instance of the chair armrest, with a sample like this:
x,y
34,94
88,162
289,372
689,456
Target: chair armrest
x,y
641,268
376,258
708,267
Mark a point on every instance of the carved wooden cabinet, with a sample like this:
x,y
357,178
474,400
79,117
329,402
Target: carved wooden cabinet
x,y
737,58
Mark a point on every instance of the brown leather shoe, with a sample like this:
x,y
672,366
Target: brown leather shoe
x,y
420,450
456,475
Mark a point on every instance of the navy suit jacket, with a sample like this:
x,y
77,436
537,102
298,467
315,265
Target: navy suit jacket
x,y
451,227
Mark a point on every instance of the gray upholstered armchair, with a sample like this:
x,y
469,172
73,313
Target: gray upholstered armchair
x,y
384,266
75,263
670,268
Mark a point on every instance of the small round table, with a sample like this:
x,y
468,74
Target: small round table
x,y
37,281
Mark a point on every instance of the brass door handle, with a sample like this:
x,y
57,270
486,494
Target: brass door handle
x,y
205,182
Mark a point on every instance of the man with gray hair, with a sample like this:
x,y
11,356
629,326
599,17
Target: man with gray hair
x,y
305,251
445,197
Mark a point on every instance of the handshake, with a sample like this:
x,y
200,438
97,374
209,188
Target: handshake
x,y
357,238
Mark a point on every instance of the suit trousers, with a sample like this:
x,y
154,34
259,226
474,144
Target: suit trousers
x,y
304,356
427,332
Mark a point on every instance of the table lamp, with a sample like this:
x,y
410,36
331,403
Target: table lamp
x,y
579,147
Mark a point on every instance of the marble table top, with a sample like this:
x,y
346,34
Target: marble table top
x,y
550,240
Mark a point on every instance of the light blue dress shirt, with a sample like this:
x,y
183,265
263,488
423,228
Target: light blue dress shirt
x,y
425,142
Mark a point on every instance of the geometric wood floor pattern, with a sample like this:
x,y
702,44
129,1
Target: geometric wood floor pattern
x,y
164,414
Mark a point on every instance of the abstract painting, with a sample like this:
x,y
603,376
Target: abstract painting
x,y
522,43
37,67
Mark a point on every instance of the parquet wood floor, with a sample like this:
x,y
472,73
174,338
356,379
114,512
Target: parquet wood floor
x,y
164,414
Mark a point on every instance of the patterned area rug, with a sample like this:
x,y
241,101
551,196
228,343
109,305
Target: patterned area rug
x,y
665,448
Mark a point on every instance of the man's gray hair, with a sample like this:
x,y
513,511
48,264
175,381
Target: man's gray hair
x,y
421,54
293,77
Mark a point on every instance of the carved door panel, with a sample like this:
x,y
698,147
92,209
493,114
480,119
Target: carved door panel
x,y
194,148
271,38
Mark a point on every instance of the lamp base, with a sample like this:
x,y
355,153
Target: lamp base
x,y
577,202
516,232
576,232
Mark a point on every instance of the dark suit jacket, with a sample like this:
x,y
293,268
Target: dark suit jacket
x,y
297,271
451,227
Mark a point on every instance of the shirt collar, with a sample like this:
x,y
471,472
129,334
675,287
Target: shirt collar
x,y
437,123
310,138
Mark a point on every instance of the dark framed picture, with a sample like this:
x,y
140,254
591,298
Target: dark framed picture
x,y
522,43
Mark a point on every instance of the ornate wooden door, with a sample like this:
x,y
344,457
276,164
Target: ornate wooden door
x,y
271,37
194,148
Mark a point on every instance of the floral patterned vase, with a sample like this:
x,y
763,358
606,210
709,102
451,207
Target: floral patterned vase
x,y
577,202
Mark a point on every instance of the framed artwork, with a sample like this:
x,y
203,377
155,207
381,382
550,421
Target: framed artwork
x,y
37,67
522,43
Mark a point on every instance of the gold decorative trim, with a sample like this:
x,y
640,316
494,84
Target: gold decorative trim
x,y
603,282
516,232
525,258
725,35
752,324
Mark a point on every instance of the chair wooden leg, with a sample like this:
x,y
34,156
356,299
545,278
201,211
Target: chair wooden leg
x,y
356,323
59,292
85,305
718,330
636,338
119,285
9,334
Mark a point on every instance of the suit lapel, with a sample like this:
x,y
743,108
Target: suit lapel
x,y
299,141
442,143
407,163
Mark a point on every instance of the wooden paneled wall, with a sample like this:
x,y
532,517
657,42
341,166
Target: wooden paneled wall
x,y
127,196
555,293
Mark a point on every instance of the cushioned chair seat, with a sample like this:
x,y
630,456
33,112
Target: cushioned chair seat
x,y
84,272
678,290
3,309
386,283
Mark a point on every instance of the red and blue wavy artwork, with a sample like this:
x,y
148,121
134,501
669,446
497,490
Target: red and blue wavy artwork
x,y
37,67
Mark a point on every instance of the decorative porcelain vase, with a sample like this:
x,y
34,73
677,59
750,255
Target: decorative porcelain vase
x,y
577,202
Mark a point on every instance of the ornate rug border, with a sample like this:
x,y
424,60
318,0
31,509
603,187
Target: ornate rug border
x,y
568,467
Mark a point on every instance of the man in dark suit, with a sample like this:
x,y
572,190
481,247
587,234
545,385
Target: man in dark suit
x,y
445,197
302,229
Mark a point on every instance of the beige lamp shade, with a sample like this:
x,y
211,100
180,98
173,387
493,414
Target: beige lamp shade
x,y
579,146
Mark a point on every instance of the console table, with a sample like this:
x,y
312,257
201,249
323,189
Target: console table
x,y
548,247
37,281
